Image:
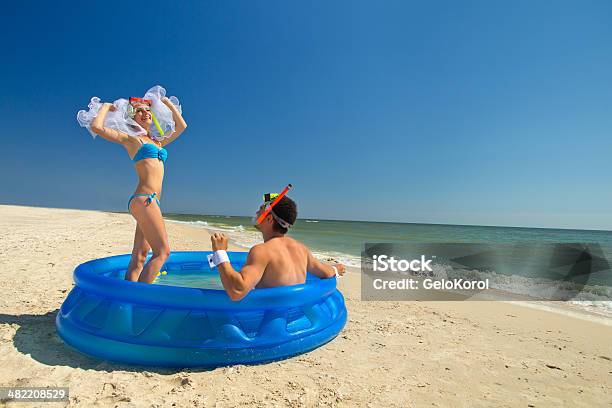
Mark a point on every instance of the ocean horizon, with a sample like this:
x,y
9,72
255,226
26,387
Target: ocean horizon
x,y
350,235
172,214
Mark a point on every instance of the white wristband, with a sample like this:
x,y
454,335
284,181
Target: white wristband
x,y
336,271
217,257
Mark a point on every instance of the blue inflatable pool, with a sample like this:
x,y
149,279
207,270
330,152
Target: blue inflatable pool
x,y
161,325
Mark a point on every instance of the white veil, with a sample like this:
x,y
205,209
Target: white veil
x,y
120,119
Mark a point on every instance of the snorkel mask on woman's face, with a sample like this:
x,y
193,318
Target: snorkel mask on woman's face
x,y
131,110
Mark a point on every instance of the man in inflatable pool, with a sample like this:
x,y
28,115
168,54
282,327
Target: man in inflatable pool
x,y
279,261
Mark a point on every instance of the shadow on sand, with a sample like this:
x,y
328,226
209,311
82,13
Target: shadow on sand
x,y
37,337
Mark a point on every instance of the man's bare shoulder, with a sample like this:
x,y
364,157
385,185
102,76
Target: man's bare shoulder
x,y
258,246
295,245
272,245
301,246
259,250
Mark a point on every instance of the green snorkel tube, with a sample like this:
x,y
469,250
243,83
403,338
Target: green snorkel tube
x,y
159,129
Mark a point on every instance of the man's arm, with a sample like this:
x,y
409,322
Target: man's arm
x,y
322,270
239,284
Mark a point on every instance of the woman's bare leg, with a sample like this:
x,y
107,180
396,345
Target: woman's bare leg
x,y
151,223
139,256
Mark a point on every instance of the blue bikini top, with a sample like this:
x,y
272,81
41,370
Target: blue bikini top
x,y
150,151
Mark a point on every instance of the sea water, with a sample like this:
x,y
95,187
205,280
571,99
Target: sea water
x,y
343,241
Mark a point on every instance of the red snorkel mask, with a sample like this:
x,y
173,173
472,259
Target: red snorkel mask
x,y
130,108
140,100
269,207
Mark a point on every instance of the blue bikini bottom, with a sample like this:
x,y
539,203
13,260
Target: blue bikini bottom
x,y
148,201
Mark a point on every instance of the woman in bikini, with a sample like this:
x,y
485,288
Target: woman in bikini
x,y
145,147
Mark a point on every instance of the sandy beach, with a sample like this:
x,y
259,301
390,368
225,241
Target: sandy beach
x,y
390,354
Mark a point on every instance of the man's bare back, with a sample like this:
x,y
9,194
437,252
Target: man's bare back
x,y
286,262
279,261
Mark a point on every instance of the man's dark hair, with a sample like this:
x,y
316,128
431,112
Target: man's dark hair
x,y
285,209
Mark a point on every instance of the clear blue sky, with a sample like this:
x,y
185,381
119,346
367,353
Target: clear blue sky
x,y
487,112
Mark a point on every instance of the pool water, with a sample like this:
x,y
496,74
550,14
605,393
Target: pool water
x,y
189,275
205,279
192,278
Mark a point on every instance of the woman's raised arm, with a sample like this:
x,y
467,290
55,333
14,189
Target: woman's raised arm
x,y
112,135
179,123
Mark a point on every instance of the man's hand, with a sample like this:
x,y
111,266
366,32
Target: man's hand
x,y
340,268
219,241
